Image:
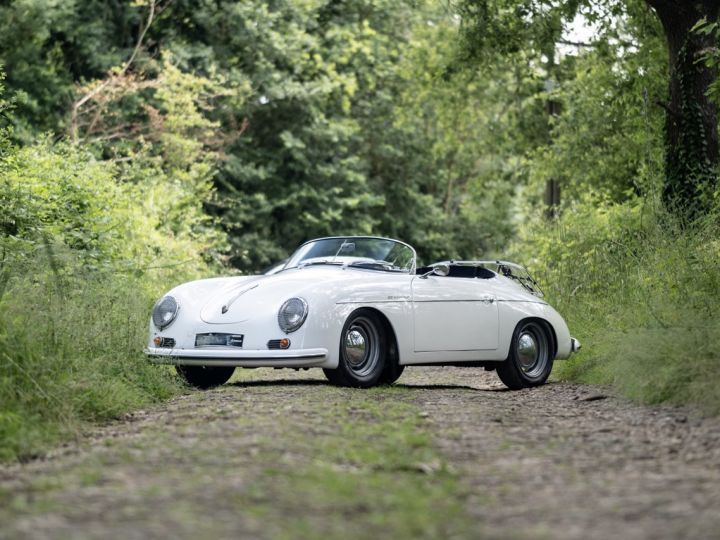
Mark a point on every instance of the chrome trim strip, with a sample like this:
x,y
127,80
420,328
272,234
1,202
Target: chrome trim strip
x,y
230,302
240,362
435,301
374,302
234,354
483,300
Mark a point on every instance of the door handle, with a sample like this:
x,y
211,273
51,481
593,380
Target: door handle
x,y
487,299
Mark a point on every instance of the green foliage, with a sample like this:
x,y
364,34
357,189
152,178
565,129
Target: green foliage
x,y
454,125
301,168
532,31
69,351
232,131
86,247
711,57
641,293
312,107
605,138
130,218
48,45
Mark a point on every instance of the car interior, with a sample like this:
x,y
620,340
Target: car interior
x,y
462,271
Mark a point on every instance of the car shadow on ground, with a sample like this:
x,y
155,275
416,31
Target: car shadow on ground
x,y
451,387
315,382
278,382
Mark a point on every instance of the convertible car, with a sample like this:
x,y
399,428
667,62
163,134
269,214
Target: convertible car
x,y
359,308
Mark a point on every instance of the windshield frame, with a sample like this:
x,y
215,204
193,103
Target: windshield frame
x,y
411,271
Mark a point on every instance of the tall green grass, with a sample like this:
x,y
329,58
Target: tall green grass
x,y
86,245
641,290
71,351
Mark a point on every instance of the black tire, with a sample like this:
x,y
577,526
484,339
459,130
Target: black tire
x,y
392,372
531,356
363,352
204,377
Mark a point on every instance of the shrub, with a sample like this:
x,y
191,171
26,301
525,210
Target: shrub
x,y
641,291
86,246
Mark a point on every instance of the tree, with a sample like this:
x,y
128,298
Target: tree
x,y
691,121
534,28
326,117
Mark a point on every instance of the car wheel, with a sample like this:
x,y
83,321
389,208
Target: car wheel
x,y
392,373
205,376
363,352
531,357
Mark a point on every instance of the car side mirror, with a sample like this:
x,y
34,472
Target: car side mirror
x,y
437,270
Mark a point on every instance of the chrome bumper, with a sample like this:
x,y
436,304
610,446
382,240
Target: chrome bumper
x,y
234,357
575,345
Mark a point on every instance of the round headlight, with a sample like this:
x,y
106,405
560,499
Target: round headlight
x,y
292,314
164,312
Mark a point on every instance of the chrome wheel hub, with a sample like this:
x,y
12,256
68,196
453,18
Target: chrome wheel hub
x,y
361,347
355,347
533,352
527,351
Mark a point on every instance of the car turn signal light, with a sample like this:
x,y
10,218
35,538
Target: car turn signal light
x,y
283,343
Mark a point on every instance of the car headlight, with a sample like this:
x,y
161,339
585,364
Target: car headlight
x,y
165,312
292,314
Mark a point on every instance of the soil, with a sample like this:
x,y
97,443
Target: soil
x,y
560,461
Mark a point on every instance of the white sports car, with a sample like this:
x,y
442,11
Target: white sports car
x,y
360,309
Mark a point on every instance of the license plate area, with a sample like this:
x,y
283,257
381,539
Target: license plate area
x,y
216,339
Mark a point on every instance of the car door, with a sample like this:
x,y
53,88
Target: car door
x,y
453,314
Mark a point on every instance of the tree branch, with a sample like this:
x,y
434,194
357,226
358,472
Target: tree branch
x,y
576,43
112,78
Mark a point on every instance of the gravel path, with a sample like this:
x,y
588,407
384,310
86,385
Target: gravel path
x,y
561,461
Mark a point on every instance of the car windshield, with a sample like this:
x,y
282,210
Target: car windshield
x,y
362,252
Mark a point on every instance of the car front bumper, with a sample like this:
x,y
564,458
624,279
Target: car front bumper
x,y
222,356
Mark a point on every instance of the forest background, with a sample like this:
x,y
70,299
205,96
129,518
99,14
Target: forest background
x,y
144,143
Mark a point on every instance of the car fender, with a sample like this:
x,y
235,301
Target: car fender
x,y
512,312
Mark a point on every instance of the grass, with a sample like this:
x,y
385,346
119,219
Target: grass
x,y
345,464
374,473
642,293
70,353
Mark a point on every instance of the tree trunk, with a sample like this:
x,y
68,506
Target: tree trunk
x,y
691,134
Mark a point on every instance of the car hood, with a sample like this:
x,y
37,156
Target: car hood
x,y
237,301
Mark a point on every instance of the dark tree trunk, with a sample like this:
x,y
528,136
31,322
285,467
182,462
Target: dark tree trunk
x,y
691,153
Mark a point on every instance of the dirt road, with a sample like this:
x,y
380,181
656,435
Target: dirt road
x,y
446,453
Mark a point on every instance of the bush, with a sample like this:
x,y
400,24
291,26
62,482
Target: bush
x,y
86,246
641,292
